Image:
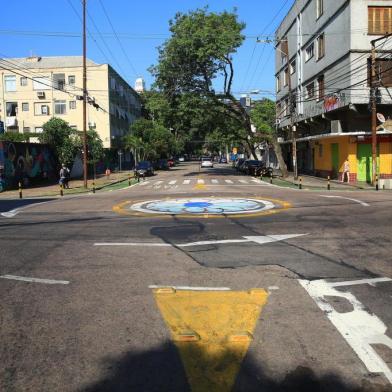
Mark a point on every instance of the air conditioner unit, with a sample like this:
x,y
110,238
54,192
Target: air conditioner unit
x,y
280,140
41,94
92,124
336,126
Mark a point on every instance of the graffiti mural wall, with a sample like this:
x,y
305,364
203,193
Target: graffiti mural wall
x,y
25,162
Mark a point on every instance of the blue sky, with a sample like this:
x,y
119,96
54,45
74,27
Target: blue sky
x,y
141,27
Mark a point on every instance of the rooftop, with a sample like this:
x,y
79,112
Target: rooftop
x,y
45,62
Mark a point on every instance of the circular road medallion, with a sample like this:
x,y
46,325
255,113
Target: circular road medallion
x,y
203,206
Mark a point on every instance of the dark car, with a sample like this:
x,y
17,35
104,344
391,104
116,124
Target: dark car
x,y
144,169
223,160
252,167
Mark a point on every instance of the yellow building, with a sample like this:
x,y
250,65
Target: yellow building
x,y
34,89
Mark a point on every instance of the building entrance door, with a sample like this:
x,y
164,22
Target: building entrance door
x,y
335,159
364,154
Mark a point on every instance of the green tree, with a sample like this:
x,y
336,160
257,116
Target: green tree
x,y
62,139
197,57
263,115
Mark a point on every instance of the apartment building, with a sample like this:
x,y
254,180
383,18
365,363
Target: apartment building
x,y
323,86
34,89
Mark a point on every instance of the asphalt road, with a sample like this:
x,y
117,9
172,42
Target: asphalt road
x,y
82,306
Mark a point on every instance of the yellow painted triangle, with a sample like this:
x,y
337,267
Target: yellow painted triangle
x,y
212,331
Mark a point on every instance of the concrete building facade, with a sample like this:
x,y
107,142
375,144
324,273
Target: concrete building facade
x,y
35,89
322,82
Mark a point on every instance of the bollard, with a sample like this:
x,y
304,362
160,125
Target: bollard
x,y
261,176
376,182
129,180
93,187
329,184
20,190
300,183
270,177
61,190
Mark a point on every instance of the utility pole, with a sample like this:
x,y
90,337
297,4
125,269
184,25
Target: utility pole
x,y
84,98
373,104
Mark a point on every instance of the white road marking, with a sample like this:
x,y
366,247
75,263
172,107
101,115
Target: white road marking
x,y
360,328
228,182
16,211
34,280
257,239
362,203
271,288
256,180
158,182
215,181
186,182
153,286
243,181
157,186
200,181
144,183
371,282
172,182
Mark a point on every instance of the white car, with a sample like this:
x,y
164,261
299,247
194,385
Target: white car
x,y
206,162
181,159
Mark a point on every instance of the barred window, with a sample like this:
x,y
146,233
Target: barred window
x,y
379,20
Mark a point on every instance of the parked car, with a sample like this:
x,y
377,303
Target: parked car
x,y
252,167
144,169
206,162
181,159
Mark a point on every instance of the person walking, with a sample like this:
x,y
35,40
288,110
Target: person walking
x,y
64,176
346,171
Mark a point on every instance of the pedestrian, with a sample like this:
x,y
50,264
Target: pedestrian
x,y
64,176
346,171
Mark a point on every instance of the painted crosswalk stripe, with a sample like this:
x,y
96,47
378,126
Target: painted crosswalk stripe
x,y
200,181
243,181
186,182
256,181
215,181
229,181
144,183
172,182
158,182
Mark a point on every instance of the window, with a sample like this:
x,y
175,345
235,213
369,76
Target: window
x,y
38,129
23,81
278,83
42,83
319,8
59,81
11,109
321,87
41,108
310,90
26,129
71,79
25,106
10,83
72,105
293,67
60,107
320,46
309,52
379,20
286,77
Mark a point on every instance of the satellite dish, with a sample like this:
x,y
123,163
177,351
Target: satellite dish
x,y
381,118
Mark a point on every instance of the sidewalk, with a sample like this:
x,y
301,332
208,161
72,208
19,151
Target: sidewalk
x,y
115,181
311,182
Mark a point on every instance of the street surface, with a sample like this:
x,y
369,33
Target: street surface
x,y
197,280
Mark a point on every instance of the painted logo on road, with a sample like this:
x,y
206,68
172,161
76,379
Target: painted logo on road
x,y
202,206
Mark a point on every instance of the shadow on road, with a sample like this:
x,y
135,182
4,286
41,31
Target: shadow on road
x,y
161,369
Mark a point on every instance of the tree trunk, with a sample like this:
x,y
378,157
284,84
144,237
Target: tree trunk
x,y
279,156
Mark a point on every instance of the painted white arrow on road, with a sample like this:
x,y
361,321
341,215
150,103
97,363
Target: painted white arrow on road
x,y
262,239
